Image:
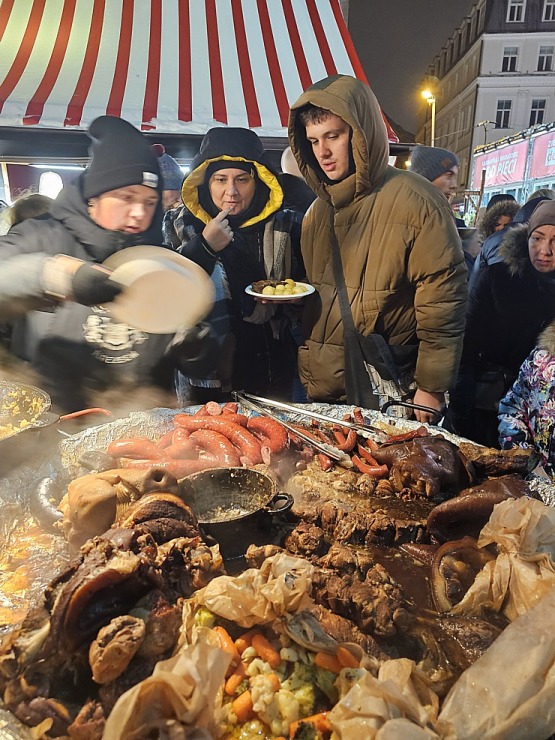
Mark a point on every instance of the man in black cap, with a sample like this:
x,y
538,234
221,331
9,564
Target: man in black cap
x,y
53,283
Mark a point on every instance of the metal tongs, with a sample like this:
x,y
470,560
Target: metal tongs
x,y
341,458
365,430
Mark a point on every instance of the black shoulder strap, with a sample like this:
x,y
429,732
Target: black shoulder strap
x,y
345,306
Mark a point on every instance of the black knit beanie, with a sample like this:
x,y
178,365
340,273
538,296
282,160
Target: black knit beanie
x,y
120,156
226,164
432,162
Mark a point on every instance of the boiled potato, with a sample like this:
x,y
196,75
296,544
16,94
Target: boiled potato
x,y
299,289
290,282
269,290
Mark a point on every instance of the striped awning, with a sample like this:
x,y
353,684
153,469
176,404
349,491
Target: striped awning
x,y
167,66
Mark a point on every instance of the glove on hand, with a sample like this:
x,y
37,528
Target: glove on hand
x,y
91,285
196,350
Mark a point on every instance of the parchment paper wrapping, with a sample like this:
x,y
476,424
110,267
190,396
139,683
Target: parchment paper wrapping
x,y
281,586
509,692
524,571
398,703
185,689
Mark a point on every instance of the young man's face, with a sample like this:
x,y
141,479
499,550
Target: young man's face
x,y
447,183
331,144
128,209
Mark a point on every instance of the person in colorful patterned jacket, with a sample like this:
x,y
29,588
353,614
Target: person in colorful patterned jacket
x,y
527,412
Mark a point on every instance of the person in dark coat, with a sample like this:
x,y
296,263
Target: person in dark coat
x,y
513,301
233,225
441,168
53,284
489,253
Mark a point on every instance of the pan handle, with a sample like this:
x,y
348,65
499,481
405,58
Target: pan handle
x,y
280,503
415,406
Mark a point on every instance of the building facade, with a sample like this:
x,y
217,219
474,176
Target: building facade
x,y
493,78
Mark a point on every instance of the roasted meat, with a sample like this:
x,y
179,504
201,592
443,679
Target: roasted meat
x,y
429,466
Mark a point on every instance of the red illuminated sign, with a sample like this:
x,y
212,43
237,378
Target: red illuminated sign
x,y
503,166
543,157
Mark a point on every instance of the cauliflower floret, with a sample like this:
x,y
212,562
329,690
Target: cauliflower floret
x,y
258,666
262,692
289,653
280,712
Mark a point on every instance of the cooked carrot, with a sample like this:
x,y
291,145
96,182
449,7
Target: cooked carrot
x,y
235,680
319,721
265,650
244,641
242,706
328,662
228,645
346,658
274,680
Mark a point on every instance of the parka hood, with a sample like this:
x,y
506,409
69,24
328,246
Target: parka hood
x,y
231,145
486,226
356,104
546,340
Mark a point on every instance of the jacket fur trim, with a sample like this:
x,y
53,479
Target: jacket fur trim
x,y
514,250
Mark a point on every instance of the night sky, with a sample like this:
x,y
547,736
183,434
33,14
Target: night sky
x,y
396,40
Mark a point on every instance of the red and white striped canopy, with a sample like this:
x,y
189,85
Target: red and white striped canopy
x,y
169,66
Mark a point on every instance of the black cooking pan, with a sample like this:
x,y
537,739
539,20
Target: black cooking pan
x,y
236,506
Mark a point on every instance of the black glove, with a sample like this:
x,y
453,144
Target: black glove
x,y
91,285
196,351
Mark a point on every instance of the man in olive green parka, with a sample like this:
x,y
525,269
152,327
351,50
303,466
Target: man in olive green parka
x,y
402,257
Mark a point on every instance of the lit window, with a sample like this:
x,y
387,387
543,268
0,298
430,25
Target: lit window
x,y
537,112
545,59
503,113
50,184
515,11
510,54
549,10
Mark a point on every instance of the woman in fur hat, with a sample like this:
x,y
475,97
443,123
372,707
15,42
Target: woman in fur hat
x,y
527,412
513,301
233,225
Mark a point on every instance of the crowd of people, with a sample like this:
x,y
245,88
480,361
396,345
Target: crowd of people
x,y
400,311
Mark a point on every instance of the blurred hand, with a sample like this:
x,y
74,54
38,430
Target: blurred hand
x,y
91,285
218,232
433,400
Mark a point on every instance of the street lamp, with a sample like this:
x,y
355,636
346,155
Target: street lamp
x,y
431,98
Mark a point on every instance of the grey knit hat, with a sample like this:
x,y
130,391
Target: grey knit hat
x,y
543,215
432,162
171,172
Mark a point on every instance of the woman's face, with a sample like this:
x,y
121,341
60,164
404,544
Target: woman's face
x,y
541,248
501,222
232,190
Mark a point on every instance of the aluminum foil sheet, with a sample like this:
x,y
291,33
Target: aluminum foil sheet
x,y
12,729
152,424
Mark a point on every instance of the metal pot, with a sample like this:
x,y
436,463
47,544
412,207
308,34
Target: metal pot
x,y
24,413
236,506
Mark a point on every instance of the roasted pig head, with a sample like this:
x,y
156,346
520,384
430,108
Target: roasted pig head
x,y
427,465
